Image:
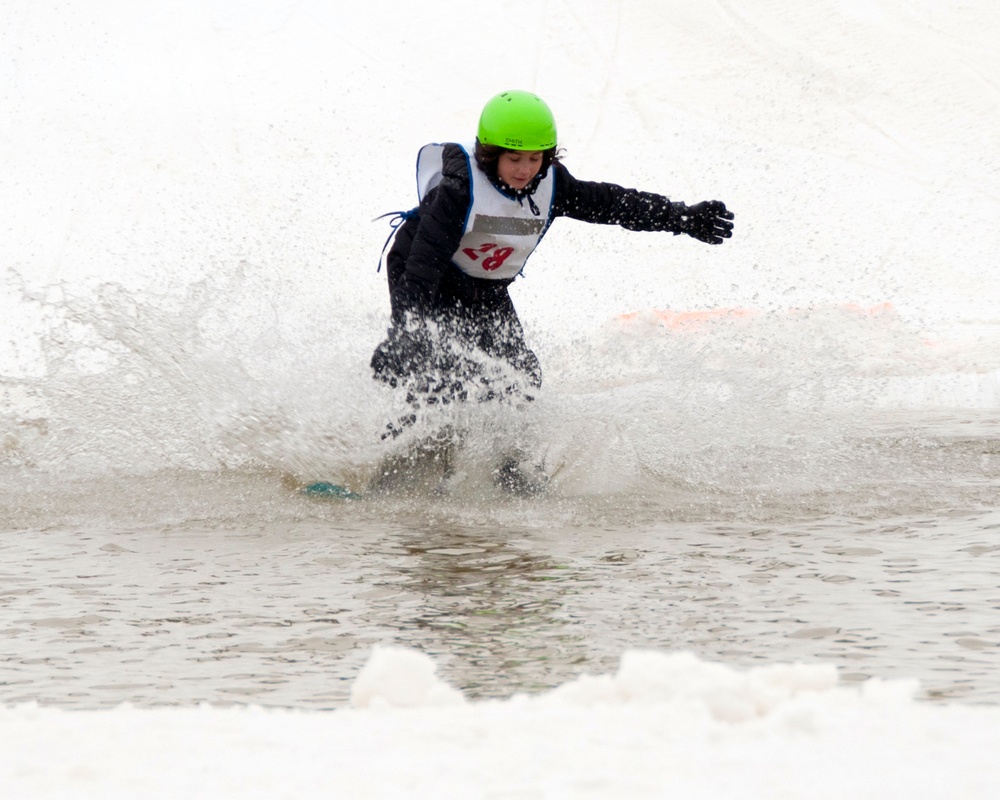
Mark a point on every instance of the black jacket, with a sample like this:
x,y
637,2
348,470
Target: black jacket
x,y
422,278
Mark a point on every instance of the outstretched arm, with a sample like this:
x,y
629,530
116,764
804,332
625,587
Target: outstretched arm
x,y
610,204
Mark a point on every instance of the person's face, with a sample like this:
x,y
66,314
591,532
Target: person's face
x,y
517,168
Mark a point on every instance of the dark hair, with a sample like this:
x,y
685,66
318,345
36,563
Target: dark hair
x,y
487,156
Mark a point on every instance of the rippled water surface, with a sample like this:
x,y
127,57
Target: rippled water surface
x,y
230,587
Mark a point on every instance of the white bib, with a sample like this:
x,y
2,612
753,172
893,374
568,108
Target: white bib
x,y
500,232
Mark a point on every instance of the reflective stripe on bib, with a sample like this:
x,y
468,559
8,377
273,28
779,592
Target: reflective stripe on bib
x,y
500,232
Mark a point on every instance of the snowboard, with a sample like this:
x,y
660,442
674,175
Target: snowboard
x,y
429,469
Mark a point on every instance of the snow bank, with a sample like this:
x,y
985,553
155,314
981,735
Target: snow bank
x,y
663,726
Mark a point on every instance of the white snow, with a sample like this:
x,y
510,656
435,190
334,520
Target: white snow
x,y
662,726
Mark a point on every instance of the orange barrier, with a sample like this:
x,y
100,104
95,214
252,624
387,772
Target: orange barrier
x,y
687,320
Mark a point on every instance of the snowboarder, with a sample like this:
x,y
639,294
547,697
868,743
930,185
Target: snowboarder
x,y
483,209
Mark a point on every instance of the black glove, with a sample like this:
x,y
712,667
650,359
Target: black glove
x,y
411,359
707,222
404,354
410,295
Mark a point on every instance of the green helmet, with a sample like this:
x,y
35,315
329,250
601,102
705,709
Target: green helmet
x,y
518,121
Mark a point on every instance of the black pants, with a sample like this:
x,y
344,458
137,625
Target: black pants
x,y
460,351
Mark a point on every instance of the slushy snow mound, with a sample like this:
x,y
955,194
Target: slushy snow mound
x,y
665,725
401,678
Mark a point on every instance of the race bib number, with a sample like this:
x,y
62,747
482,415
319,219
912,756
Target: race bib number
x,y
491,259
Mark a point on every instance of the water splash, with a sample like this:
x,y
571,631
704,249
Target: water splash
x,y
238,371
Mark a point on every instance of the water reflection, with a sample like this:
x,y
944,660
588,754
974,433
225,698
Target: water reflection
x,y
521,598
490,613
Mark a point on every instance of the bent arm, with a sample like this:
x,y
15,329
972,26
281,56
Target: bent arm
x,y
438,230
